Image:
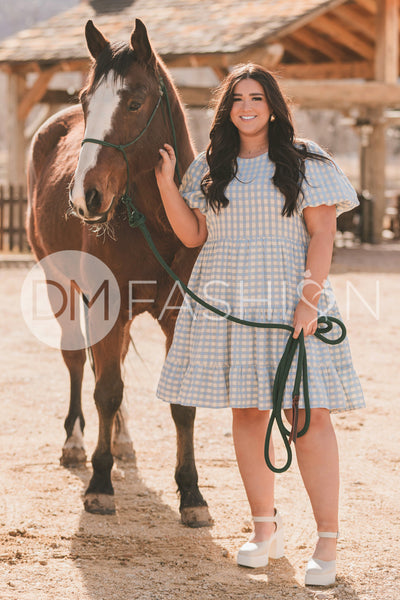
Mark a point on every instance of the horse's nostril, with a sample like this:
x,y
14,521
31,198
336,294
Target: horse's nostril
x,y
93,199
81,212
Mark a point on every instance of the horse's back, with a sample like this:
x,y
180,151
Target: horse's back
x,y
48,137
52,161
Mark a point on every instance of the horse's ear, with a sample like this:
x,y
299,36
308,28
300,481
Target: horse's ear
x,y
141,45
96,42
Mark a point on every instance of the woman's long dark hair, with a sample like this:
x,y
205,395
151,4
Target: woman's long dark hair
x,y
224,146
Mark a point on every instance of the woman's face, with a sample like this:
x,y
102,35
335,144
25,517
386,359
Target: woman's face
x,y
250,112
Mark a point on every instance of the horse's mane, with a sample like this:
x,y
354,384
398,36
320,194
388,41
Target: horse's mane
x,y
117,58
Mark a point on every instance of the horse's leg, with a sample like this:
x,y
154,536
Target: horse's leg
x,y
121,441
73,452
108,397
193,508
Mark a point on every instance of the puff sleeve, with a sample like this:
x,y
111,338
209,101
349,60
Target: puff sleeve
x,y
325,183
190,187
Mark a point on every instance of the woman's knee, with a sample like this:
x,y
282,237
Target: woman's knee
x,y
249,416
320,419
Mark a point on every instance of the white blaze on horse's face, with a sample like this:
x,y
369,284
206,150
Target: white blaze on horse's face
x,y
102,105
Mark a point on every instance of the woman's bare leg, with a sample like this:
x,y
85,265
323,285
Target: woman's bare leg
x,y
318,460
249,427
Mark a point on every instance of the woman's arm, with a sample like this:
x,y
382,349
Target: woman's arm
x,y
188,224
321,225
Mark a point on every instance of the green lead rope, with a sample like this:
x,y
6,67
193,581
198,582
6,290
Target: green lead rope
x,y
325,323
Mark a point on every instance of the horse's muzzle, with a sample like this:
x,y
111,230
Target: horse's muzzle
x,y
91,219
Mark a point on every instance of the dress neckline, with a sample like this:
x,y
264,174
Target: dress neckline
x,y
253,157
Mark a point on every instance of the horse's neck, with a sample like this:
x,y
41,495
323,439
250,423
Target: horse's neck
x,y
148,200
145,183
186,150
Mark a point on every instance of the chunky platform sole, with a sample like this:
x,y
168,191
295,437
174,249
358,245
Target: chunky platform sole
x,y
321,572
257,554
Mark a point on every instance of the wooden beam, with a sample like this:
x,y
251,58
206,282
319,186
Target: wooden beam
x,y
306,19
196,60
318,94
368,5
59,97
387,41
298,50
75,65
342,36
195,97
312,39
35,93
268,55
23,68
330,70
352,17
220,72
341,94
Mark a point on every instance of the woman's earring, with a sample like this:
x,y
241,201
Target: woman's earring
x,y
272,118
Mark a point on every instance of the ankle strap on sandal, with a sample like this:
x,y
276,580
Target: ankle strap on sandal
x,y
275,518
328,534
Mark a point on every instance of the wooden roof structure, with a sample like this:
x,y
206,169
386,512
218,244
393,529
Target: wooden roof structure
x,y
331,53
310,39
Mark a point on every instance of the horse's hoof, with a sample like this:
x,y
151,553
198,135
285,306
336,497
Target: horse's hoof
x,y
99,504
123,451
73,457
196,516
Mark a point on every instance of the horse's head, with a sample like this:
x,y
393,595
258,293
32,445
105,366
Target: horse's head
x,y
120,102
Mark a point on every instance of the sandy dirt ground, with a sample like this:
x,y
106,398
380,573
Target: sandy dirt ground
x,y
51,549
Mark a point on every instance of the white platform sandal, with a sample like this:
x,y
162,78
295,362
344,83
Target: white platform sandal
x,y
256,554
321,572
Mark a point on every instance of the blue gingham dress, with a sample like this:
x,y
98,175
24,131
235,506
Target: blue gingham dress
x,y
252,266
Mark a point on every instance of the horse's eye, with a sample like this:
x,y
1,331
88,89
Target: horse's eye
x,y
133,106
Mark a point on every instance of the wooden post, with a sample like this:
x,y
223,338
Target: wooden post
x,y
21,218
1,218
15,131
375,163
386,71
11,219
387,41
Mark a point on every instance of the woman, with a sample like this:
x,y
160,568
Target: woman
x,y
264,205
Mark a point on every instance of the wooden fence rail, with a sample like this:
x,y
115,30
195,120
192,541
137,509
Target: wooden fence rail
x,y
13,204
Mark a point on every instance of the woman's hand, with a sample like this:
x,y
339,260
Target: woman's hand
x,y
305,318
165,168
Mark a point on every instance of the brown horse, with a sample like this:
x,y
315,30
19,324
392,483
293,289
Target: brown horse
x,y
68,196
